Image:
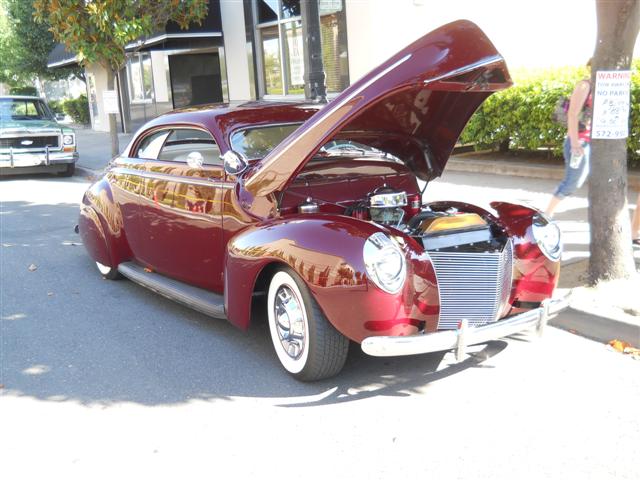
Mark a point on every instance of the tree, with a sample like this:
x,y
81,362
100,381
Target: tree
x,y
98,30
25,46
611,256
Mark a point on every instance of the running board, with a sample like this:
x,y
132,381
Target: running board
x,y
199,299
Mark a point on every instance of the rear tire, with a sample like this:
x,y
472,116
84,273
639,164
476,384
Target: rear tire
x,y
107,272
307,345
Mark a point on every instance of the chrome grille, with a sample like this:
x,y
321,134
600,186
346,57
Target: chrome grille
x,y
472,286
30,142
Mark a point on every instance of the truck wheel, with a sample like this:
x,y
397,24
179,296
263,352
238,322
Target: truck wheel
x,y
307,345
71,169
107,272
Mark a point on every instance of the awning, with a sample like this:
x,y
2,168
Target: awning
x,y
61,57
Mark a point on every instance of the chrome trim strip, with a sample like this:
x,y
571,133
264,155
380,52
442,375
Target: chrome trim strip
x,y
467,68
171,178
388,346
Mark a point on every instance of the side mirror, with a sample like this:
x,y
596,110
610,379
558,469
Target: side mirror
x,y
234,164
195,160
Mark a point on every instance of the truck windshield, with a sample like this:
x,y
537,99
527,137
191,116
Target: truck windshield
x,y
24,109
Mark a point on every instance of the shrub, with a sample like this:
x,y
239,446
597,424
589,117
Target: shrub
x,y
521,115
55,106
24,90
78,109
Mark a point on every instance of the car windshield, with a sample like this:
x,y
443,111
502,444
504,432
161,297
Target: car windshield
x,y
24,109
256,143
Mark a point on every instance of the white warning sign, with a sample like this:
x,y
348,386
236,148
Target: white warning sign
x,y
611,105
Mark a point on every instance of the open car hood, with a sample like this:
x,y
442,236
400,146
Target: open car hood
x,y
414,106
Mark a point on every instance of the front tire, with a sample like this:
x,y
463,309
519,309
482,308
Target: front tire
x,y
307,345
69,171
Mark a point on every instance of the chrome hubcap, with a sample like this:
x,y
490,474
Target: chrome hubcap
x,y
289,319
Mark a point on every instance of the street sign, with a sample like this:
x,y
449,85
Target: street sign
x,y
110,101
611,105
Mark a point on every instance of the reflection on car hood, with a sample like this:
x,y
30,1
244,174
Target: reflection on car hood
x,y
414,106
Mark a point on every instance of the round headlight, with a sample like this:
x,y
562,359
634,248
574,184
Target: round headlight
x,y
68,139
547,236
385,262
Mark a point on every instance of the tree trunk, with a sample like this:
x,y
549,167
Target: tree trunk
x,y
113,128
611,255
43,94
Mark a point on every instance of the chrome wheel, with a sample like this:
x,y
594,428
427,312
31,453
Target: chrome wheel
x,y
290,322
307,345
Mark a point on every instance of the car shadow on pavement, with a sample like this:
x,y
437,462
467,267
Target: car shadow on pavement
x,y
67,335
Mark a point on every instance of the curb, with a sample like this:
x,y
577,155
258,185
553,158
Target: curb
x,y
597,328
86,172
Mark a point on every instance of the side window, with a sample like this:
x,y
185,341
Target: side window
x,y
150,146
185,141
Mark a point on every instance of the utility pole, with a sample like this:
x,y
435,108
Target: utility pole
x,y
315,89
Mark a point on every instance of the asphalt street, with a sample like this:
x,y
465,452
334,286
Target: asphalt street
x,y
104,379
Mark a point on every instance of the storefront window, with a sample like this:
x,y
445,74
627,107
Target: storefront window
x,y
281,46
290,8
140,78
333,35
267,11
272,67
294,54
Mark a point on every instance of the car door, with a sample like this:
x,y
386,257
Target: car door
x,y
180,209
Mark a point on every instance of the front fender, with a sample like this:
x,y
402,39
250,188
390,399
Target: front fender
x,y
535,276
326,252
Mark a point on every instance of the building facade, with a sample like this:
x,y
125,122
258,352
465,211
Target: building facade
x,y
255,49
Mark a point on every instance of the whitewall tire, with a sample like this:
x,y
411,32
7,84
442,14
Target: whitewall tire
x,y
307,345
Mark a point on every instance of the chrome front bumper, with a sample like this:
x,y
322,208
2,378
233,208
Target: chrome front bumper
x,y
458,340
34,159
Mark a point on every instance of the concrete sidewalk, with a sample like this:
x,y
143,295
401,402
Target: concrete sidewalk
x,y
94,149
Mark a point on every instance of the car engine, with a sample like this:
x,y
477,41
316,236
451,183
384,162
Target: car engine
x,y
439,228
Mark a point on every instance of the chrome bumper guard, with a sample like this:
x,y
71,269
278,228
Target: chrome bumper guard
x,y
14,159
458,340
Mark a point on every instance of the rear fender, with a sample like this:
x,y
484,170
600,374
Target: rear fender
x,y
101,226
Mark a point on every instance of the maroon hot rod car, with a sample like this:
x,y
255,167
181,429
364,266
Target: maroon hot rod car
x,y
319,210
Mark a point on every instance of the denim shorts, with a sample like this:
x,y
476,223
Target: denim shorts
x,y
574,178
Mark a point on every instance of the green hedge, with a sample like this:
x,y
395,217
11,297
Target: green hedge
x,y
520,116
24,90
56,106
78,109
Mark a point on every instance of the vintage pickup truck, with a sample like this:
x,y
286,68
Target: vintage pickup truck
x,y
31,141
